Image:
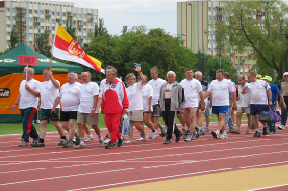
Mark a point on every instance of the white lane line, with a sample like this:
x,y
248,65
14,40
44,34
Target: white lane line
x,y
71,175
266,164
216,159
149,179
269,187
138,151
22,170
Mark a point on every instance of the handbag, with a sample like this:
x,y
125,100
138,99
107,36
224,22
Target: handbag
x,y
270,116
125,125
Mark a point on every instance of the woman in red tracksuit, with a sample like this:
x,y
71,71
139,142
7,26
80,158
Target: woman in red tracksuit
x,y
114,104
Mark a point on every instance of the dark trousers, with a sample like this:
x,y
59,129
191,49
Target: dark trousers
x,y
28,128
170,120
284,111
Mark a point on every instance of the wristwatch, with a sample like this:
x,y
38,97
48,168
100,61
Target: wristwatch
x,y
94,109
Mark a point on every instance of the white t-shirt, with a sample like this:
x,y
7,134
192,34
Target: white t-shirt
x,y
220,90
69,96
27,99
191,92
147,92
243,99
258,91
87,93
168,90
48,94
102,84
156,85
134,94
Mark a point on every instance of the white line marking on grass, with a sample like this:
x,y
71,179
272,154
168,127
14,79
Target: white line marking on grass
x,y
70,175
149,179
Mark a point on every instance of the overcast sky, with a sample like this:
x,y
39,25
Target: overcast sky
x,y
152,14
116,14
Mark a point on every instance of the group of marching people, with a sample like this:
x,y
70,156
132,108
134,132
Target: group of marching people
x,y
144,101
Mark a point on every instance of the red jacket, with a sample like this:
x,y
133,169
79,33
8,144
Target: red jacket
x,y
114,97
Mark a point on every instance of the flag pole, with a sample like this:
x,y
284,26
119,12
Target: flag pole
x,y
51,61
26,73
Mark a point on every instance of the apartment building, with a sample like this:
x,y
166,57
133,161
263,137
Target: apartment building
x,y
194,21
34,17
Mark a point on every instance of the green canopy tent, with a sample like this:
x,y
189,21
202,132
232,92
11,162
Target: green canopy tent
x,y
9,62
12,77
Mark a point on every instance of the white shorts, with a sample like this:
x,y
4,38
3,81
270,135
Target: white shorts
x,y
243,109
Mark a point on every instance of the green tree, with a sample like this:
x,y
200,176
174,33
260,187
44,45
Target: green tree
x,y
100,29
42,44
261,25
4,52
71,29
14,38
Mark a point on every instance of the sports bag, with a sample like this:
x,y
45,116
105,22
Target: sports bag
x,y
125,125
270,116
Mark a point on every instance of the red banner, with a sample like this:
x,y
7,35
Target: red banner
x,y
27,60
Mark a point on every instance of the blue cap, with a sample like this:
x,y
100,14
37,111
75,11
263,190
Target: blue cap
x,y
136,64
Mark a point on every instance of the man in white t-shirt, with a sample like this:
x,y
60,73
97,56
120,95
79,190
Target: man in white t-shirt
x,y
192,91
29,92
259,102
156,84
49,90
88,110
69,98
242,106
220,89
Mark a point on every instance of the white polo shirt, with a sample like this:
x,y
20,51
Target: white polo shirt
x,y
48,94
243,99
220,90
147,92
258,90
134,94
191,92
87,93
69,96
27,99
156,85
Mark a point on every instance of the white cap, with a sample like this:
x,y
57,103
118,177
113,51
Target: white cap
x,y
285,74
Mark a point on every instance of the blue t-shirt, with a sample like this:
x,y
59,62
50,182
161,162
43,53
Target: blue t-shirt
x,y
275,91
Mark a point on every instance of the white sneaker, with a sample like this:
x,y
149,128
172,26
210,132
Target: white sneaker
x,y
215,134
223,136
282,127
107,140
89,139
140,139
154,135
101,141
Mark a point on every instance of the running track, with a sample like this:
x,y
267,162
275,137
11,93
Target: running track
x,y
240,162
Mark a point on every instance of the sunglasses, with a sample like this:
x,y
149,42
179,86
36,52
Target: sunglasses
x,y
285,76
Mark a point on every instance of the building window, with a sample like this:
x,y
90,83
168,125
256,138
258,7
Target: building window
x,y
8,33
74,14
7,26
84,23
8,41
8,18
8,9
64,22
95,16
53,28
30,34
79,29
42,20
47,27
236,57
58,13
84,15
52,13
30,27
64,14
30,19
35,11
42,27
42,12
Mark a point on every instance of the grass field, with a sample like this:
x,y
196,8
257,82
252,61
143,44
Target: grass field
x,y
16,128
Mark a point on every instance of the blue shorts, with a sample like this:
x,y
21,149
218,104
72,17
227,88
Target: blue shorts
x,y
219,109
255,109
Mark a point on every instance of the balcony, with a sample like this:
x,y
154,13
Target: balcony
x,y
48,16
22,38
21,14
90,19
80,24
20,29
21,22
36,23
80,40
48,31
69,15
219,13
